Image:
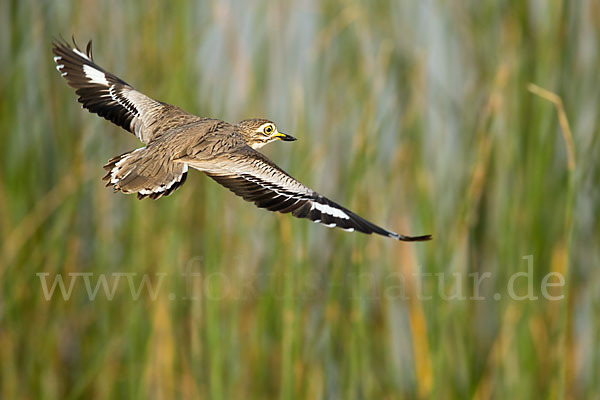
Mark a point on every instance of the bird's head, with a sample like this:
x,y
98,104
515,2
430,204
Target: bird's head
x,y
258,132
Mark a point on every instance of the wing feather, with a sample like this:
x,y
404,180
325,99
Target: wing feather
x,y
255,178
107,95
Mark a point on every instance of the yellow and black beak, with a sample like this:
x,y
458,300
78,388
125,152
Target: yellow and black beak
x,y
284,137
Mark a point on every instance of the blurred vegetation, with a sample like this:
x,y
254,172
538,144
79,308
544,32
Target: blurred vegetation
x,y
415,114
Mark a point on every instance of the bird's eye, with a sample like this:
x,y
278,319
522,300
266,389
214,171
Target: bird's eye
x,y
269,129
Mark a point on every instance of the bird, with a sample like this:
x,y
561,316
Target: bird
x,y
175,140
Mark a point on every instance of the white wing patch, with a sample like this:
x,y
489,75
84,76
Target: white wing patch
x,y
334,212
94,75
81,54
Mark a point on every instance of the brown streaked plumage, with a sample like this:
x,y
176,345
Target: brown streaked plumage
x,y
176,140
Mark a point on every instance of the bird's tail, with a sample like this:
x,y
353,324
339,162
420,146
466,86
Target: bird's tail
x,y
145,172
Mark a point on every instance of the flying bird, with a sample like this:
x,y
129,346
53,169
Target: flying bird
x,y
176,140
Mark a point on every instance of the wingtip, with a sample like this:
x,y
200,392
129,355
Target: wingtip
x,y
57,43
422,238
88,50
61,42
57,40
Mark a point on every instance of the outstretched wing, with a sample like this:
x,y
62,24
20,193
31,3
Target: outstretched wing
x,y
110,97
255,178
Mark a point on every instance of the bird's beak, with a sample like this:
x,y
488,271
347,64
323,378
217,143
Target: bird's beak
x,y
284,137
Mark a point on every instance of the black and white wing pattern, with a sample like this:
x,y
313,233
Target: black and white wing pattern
x,y
255,178
110,97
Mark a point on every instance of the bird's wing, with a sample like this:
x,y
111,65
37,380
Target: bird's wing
x,y
110,97
255,178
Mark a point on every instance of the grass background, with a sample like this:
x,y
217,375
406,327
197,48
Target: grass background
x,y
415,114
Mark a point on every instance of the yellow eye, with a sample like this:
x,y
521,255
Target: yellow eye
x,y
268,129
